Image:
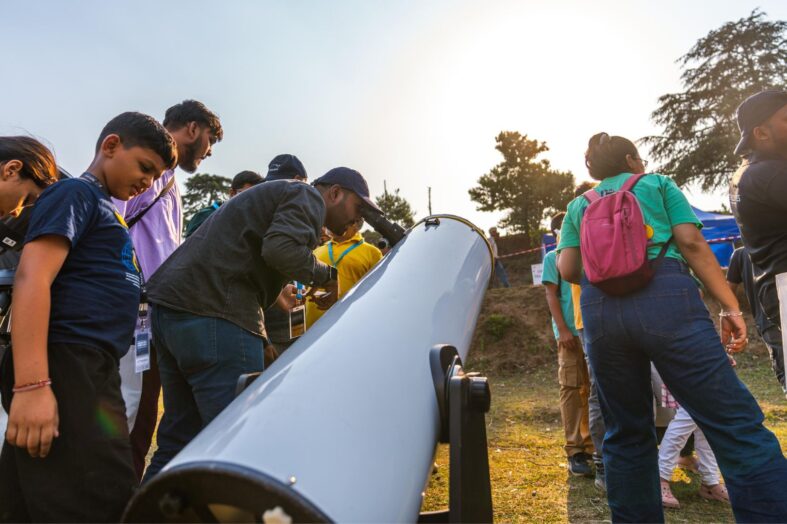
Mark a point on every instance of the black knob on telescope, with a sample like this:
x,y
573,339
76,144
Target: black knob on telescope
x,y
479,396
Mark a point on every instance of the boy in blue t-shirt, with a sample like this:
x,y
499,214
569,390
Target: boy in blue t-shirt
x,y
572,369
66,457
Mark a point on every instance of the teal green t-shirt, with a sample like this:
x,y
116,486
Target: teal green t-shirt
x,y
663,205
550,275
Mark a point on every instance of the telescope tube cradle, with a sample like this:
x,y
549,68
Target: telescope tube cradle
x,y
343,427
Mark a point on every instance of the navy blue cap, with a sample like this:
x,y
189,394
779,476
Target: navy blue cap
x,y
754,111
285,167
349,179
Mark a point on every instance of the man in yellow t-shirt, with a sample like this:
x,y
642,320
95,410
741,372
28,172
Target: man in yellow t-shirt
x,y
352,258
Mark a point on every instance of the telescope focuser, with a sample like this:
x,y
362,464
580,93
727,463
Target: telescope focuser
x,y
391,231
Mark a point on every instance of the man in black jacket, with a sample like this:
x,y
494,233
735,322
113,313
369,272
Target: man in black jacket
x,y
758,192
208,297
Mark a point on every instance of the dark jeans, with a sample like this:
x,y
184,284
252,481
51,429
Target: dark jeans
x,y
500,273
772,336
596,420
668,323
87,476
200,360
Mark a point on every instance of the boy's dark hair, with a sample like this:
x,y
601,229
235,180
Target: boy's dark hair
x,y
188,111
245,178
606,155
38,163
557,222
584,187
137,129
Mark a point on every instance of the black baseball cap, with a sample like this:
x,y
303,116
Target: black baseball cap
x,y
285,167
754,111
349,179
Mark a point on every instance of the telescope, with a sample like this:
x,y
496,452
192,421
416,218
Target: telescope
x,y
344,426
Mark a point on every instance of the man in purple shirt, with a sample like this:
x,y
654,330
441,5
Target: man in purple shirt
x,y
155,221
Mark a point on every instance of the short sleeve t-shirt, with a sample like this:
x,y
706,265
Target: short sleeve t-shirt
x,y
352,259
663,205
95,295
550,276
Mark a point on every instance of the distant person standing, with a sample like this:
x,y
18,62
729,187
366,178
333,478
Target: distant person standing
x,y
500,271
277,321
572,370
155,220
240,183
742,272
351,256
758,193
595,417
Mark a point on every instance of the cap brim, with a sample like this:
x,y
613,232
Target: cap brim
x,y
743,145
370,203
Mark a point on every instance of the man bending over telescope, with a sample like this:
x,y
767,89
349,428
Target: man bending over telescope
x,y
208,297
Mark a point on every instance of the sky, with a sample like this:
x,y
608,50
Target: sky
x,y
412,93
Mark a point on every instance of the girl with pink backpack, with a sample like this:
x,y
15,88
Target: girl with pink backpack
x,y
637,238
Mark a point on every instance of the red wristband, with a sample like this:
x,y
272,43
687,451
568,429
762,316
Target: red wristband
x,y
32,385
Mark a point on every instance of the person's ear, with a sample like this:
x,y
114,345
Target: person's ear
x,y
192,131
761,134
336,194
11,168
632,163
110,145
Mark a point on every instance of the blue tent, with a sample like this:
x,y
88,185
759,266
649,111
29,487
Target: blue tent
x,y
716,227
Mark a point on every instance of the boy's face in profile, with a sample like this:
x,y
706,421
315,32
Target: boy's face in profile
x,y
129,171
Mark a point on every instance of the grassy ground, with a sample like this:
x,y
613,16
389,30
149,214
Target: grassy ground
x,y
528,468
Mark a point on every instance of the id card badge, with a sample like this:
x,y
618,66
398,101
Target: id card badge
x,y
142,351
142,341
297,321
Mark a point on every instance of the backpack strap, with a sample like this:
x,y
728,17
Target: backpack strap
x,y
136,218
591,195
631,182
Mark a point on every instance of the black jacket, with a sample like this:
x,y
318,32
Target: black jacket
x,y
235,265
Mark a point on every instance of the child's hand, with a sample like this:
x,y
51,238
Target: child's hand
x,y
33,421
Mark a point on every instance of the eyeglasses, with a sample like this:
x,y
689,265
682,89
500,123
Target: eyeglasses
x,y
644,162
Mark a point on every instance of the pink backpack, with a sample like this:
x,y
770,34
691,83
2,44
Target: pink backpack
x,y
614,243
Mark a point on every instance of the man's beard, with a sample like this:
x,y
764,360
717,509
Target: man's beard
x,y
189,162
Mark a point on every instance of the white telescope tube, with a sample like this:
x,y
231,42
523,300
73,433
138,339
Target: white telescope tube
x,y
344,426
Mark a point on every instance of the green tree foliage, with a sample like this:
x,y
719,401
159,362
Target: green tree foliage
x,y
723,68
523,185
201,190
396,208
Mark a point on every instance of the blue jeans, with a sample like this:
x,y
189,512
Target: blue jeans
x,y
500,273
595,419
200,360
668,323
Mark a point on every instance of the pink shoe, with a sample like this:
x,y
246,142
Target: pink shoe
x,y
715,492
688,463
668,500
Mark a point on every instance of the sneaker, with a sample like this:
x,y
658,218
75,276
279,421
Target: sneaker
x,y
715,492
668,500
579,465
601,481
